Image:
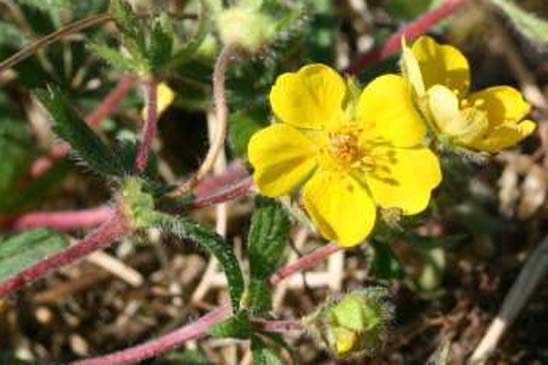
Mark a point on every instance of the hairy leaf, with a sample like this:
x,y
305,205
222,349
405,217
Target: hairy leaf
x,y
68,125
21,251
161,43
15,149
385,264
237,326
260,296
262,355
115,59
185,228
532,27
267,238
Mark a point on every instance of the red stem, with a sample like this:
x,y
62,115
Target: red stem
x,y
111,101
162,344
200,327
230,192
304,262
277,326
60,149
411,31
235,171
108,232
151,123
63,220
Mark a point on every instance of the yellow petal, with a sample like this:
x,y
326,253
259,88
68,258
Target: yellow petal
x,y
442,65
309,98
345,340
462,125
282,157
404,178
501,103
165,97
411,69
386,106
504,136
339,206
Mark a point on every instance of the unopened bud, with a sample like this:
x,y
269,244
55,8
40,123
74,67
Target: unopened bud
x,y
353,325
246,27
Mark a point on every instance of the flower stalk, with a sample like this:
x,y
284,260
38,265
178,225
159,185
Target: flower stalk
x,y
221,118
410,32
151,124
43,42
111,230
201,326
66,220
235,190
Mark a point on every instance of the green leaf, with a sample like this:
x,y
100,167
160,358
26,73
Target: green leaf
x,y
267,238
48,5
116,59
262,355
237,326
406,9
133,36
126,20
70,127
185,228
161,43
205,26
385,265
15,149
531,26
260,296
321,37
22,251
53,8
11,36
243,124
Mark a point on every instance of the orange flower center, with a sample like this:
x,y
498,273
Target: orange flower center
x,y
343,147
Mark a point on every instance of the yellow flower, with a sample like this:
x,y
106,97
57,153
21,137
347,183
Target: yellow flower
x,y
352,151
489,120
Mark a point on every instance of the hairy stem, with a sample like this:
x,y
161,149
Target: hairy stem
x,y
107,106
221,116
277,326
200,327
305,262
162,344
235,190
63,220
108,232
71,28
111,101
411,31
151,124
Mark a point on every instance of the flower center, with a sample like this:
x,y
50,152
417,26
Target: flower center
x,y
343,147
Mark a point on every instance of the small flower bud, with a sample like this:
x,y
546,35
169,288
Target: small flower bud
x,y
246,27
354,324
